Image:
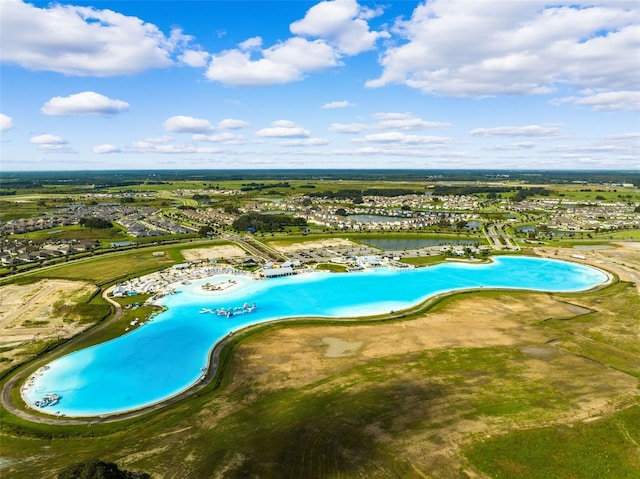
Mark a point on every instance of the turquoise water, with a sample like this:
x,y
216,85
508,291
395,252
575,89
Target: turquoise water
x,y
169,354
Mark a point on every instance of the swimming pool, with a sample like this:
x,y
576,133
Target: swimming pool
x,y
170,354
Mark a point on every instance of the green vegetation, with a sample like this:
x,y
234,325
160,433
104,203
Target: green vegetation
x,y
92,222
97,469
266,223
513,404
603,448
423,260
335,268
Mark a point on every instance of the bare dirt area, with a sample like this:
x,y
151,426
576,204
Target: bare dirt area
x,y
476,323
305,245
27,316
218,253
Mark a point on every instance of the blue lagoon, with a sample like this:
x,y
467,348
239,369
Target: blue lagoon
x,y
171,353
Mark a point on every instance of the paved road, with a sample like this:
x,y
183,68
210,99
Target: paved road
x,y
499,238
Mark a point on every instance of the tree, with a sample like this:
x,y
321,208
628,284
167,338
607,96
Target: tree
x,y
93,222
97,469
205,231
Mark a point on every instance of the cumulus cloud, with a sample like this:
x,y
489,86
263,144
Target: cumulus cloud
x,y
194,58
231,124
520,145
306,142
337,104
513,47
347,127
224,137
405,121
187,124
342,23
6,122
253,43
145,146
106,149
529,130
49,142
83,41
282,63
399,137
283,129
606,101
337,28
85,103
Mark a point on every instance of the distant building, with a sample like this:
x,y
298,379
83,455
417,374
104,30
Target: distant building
x,y
275,272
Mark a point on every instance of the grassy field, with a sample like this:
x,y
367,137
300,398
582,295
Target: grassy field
x,y
115,266
603,448
431,397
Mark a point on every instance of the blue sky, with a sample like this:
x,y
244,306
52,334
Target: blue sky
x,y
332,84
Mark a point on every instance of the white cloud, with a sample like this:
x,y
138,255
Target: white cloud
x,y
194,58
306,142
514,47
347,127
342,23
337,104
159,139
187,124
606,101
145,146
224,137
85,103
252,43
405,121
231,124
399,137
529,130
6,122
340,28
46,138
520,145
282,63
283,129
49,142
83,41
106,149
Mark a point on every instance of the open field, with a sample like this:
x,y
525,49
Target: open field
x,y
287,247
485,384
220,252
29,318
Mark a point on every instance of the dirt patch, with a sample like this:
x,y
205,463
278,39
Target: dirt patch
x,y
337,348
328,243
27,315
465,323
222,252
